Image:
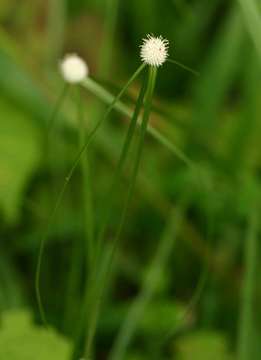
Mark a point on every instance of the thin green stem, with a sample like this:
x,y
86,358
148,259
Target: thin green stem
x,y
200,286
184,67
149,286
252,16
50,123
109,201
62,191
246,320
86,189
109,32
192,302
107,97
57,108
108,258
120,165
74,284
88,223
49,139
143,129
55,29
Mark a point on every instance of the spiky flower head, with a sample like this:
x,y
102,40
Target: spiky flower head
x,y
154,50
74,69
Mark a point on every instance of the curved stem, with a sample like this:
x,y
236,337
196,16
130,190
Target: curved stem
x,y
57,108
184,67
102,276
62,191
86,190
245,344
120,165
149,286
95,88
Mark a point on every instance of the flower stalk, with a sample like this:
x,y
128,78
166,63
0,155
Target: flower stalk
x,y
72,74
107,258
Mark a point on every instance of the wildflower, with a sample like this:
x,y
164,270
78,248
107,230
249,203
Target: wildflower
x,y
154,50
73,69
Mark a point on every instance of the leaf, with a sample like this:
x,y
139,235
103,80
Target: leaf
x,y
19,156
217,78
135,356
11,289
159,317
20,339
4,8
252,17
203,345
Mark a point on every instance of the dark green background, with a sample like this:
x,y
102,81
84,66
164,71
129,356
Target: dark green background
x,y
213,118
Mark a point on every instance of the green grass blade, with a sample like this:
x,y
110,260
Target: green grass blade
x,y
149,286
143,129
108,259
62,191
184,67
121,163
245,336
86,189
83,251
109,35
57,108
107,97
56,27
252,16
113,188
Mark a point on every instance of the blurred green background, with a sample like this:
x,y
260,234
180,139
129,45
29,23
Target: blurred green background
x,y
186,279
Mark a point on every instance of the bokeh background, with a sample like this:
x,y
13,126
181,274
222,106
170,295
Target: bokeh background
x,y
186,279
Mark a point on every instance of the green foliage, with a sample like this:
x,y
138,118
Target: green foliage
x,y
159,318
20,151
252,14
21,339
203,345
212,125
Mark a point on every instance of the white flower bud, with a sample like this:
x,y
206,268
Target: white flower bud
x,y
73,69
154,50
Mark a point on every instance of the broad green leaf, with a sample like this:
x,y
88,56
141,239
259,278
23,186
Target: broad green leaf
x,y
160,317
252,16
203,345
217,77
19,156
21,339
4,8
135,356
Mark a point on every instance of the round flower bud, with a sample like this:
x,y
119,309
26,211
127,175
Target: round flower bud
x,y
73,69
154,50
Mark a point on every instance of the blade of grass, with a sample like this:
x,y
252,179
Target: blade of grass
x,y
62,191
55,29
107,97
184,67
109,33
108,258
88,224
203,278
246,320
217,79
252,16
48,141
193,301
86,190
109,200
57,108
120,165
149,286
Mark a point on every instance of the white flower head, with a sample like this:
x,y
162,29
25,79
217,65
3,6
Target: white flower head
x,y
154,50
74,69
